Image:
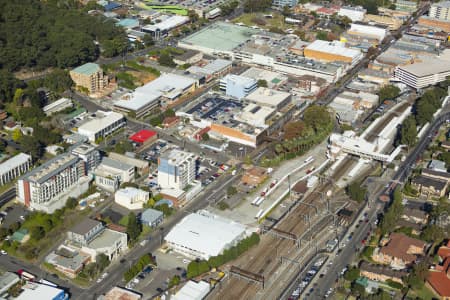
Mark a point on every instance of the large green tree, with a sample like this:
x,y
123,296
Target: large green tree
x,y
133,227
388,92
408,132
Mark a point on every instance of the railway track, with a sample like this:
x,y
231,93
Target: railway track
x,y
264,259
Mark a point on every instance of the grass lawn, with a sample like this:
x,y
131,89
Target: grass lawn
x,y
248,19
124,221
422,293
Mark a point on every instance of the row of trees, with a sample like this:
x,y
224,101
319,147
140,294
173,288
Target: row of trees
x,y
251,6
54,34
356,192
199,267
92,270
144,261
391,216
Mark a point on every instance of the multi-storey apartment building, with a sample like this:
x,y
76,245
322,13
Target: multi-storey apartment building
x,y
440,10
48,186
89,76
176,169
14,167
89,154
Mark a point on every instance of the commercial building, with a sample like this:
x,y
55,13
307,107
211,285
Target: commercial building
x,y
188,57
390,22
57,106
93,238
89,76
269,98
88,154
332,52
192,291
131,198
405,5
14,167
101,124
213,69
152,217
34,290
7,280
435,24
176,169
166,24
118,293
273,79
421,75
354,13
162,91
144,137
440,10
48,186
203,235
142,166
283,3
111,173
68,260
366,32
237,86
219,38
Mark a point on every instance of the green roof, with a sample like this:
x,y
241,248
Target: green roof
x,y
363,281
19,235
87,69
220,36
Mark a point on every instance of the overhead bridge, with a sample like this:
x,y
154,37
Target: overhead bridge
x,y
247,275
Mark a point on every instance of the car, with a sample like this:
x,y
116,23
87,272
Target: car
x,y
141,276
99,280
135,280
104,275
147,269
123,260
321,275
159,290
363,242
3,252
186,261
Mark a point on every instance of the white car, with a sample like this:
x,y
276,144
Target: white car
x,y
186,261
136,281
99,280
104,275
3,252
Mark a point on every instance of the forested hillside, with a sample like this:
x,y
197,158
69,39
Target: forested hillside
x,y
53,33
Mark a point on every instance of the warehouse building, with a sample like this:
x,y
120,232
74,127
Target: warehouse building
x,y
354,13
334,51
101,124
366,32
203,235
159,92
421,75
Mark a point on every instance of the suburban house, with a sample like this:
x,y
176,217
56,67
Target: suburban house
x,y
381,273
439,278
429,187
400,251
436,174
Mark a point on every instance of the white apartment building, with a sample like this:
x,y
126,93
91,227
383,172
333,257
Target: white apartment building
x,y
420,75
101,124
48,186
14,167
176,169
131,198
111,173
440,10
89,154
354,13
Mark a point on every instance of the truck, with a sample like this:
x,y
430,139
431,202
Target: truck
x,y
26,275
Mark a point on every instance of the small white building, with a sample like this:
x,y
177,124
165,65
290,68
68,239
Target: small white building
x,y
131,198
354,13
202,235
369,31
192,291
101,124
14,167
57,106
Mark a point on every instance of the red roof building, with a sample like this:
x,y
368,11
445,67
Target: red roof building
x,y
439,278
144,136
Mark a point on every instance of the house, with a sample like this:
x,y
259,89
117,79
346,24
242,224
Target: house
x,y
400,251
68,260
445,176
430,187
83,232
381,273
152,217
437,165
438,278
169,122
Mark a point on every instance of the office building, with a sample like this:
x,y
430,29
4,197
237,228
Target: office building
x,y
166,24
131,198
237,86
269,98
421,75
111,173
334,51
283,3
176,169
101,124
48,186
440,10
203,235
354,13
88,154
89,76
14,167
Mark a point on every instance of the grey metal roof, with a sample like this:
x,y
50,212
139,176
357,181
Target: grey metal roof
x,y
85,226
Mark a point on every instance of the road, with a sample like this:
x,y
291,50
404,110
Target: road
x,y
7,196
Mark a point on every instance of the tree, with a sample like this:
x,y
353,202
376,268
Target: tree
x,y
322,35
433,233
175,280
256,5
356,192
231,191
71,203
286,11
166,60
352,274
133,227
16,135
102,261
262,83
294,129
318,117
390,217
32,146
37,232
148,40
388,92
205,136
228,8
408,132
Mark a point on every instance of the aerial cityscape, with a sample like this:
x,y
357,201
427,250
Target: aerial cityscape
x,y
224,149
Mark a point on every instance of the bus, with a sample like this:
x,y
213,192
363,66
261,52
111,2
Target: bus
x,y
25,275
309,159
259,214
255,201
258,203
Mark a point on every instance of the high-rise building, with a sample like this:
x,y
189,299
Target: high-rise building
x,y
176,169
89,154
48,186
440,10
89,76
